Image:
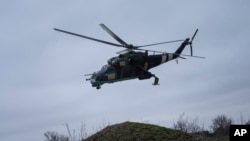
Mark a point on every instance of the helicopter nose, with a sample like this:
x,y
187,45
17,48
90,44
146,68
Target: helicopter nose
x,y
96,84
93,81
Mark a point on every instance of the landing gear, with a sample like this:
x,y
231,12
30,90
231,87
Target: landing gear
x,y
146,75
156,80
98,87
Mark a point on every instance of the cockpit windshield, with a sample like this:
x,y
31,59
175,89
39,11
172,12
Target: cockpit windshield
x,y
105,68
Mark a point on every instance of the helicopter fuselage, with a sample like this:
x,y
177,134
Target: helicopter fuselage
x,y
129,66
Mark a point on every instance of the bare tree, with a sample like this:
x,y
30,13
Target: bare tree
x,y
193,126
73,136
220,125
248,122
181,124
187,125
54,136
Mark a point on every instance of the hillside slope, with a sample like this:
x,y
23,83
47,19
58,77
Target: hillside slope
x,y
132,131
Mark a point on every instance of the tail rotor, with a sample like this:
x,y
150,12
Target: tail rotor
x,y
191,42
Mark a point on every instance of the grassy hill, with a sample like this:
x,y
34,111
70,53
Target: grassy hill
x,y
131,131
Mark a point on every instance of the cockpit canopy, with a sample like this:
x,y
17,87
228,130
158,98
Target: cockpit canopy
x,y
101,73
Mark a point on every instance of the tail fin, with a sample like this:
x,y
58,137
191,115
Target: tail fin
x,y
180,49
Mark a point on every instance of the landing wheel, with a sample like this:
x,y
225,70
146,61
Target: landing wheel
x,y
98,87
156,82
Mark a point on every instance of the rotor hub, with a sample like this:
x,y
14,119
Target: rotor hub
x,y
130,46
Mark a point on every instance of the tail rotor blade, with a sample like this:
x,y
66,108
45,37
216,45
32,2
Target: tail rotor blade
x,y
191,42
194,34
191,50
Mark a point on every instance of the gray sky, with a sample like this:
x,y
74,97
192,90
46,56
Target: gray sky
x,y
42,71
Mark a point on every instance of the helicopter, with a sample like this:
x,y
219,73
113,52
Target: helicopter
x,y
134,61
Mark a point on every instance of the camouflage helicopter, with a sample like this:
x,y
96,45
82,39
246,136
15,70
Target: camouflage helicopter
x,y
133,62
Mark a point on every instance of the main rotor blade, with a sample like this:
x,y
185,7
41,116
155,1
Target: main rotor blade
x,y
158,43
113,34
193,56
182,57
171,53
90,38
124,51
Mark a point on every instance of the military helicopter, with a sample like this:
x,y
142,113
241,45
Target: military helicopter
x,y
133,62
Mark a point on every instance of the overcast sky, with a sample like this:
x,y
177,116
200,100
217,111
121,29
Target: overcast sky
x,y
42,85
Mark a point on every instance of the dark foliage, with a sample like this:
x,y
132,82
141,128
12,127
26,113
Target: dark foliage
x,y
221,125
